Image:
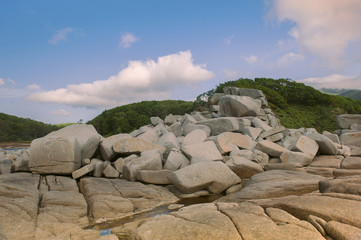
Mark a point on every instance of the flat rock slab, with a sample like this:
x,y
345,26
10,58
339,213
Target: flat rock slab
x,y
275,183
352,138
238,106
270,148
205,150
351,163
350,185
227,139
104,195
212,176
201,221
19,199
345,121
327,161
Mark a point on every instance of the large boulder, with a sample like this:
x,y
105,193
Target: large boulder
x,y
212,176
220,125
326,145
135,145
345,121
225,141
204,150
351,138
271,148
61,151
106,145
238,106
243,167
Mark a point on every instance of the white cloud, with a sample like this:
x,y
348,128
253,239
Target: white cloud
x,y
325,28
289,58
127,39
228,40
60,36
250,59
140,80
334,81
60,112
33,87
2,82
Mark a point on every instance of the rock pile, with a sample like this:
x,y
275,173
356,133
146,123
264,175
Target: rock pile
x,y
238,149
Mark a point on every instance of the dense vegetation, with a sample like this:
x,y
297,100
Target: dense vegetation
x,y
16,129
127,118
296,104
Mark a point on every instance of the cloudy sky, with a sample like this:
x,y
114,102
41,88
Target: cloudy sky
x,y
62,61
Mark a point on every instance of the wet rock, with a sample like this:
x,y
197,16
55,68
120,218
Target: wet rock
x,y
212,176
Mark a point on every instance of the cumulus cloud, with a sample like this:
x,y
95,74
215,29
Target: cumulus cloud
x,y
127,39
140,80
60,36
334,81
325,28
33,87
2,82
60,112
250,59
289,58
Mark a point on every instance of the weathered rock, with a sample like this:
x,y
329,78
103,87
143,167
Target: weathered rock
x,y
253,223
306,145
351,163
238,106
244,168
176,160
258,123
248,154
340,231
260,157
115,198
324,172
152,161
176,128
212,176
187,119
220,125
215,98
82,171
327,161
284,166
352,138
135,145
168,141
61,155
169,119
300,158
326,145
272,131
98,167
19,198
190,127
275,138
345,121
21,163
140,131
270,148
153,176
201,221
275,183
252,132
206,150
196,136
334,137
234,188
225,141
110,172
119,164
348,185
318,223
156,120
106,145
329,208
5,166
151,135
214,108
346,172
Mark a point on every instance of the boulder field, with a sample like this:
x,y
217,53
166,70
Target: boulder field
x,y
272,182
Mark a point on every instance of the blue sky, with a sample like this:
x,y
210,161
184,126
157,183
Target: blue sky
x,y
61,61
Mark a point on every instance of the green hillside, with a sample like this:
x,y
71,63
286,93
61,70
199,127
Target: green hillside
x,y
16,129
296,104
354,94
127,118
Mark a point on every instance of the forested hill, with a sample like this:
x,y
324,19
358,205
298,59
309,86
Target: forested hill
x,y
16,129
354,94
296,104
127,118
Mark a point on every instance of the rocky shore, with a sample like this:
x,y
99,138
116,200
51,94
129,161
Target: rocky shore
x,y
274,182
